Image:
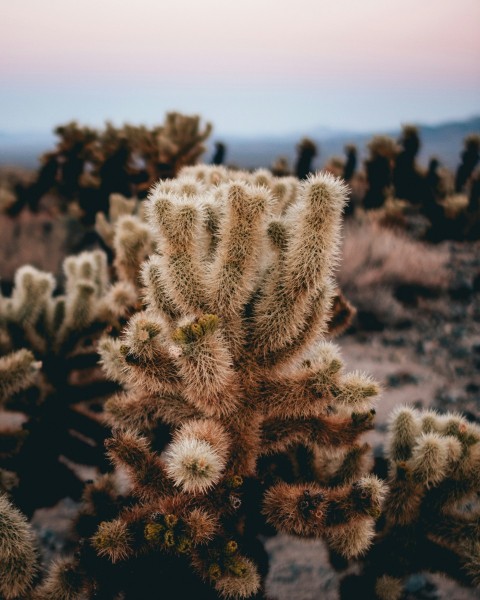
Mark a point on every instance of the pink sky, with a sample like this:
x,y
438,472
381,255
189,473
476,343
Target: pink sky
x,y
351,45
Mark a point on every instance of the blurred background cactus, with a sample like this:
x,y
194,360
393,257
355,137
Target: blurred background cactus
x,y
51,385
89,164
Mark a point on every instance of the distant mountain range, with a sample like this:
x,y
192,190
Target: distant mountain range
x,y
443,141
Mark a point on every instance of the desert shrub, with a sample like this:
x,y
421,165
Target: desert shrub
x,y
380,265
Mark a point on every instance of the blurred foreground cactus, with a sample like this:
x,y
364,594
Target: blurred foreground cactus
x,y
236,415
49,379
18,556
431,519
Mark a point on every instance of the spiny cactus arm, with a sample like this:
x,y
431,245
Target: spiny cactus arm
x,y
85,289
205,366
100,272
90,266
79,311
235,269
32,289
306,266
278,234
117,303
342,314
144,412
132,243
388,588
222,564
18,371
104,228
146,470
403,429
65,580
294,396
112,359
182,138
239,578
179,222
213,220
114,540
313,250
56,315
278,435
460,531
141,359
156,290
308,389
309,332
18,559
184,186
312,511
171,524
354,390
339,466
472,564
118,207
208,174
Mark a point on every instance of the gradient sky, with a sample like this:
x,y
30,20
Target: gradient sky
x,y
255,66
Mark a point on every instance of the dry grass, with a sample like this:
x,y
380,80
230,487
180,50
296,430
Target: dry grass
x,y
381,265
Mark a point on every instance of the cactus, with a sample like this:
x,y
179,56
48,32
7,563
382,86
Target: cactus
x,y
408,181
88,165
49,348
227,376
350,163
18,556
379,170
219,156
167,148
431,518
470,158
306,152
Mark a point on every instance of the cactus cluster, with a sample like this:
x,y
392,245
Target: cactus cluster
x,y
233,402
431,517
89,164
231,415
49,375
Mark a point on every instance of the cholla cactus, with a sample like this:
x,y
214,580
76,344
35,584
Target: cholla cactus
x,y
229,356
18,371
48,340
18,560
379,168
470,158
432,512
166,148
180,140
119,206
